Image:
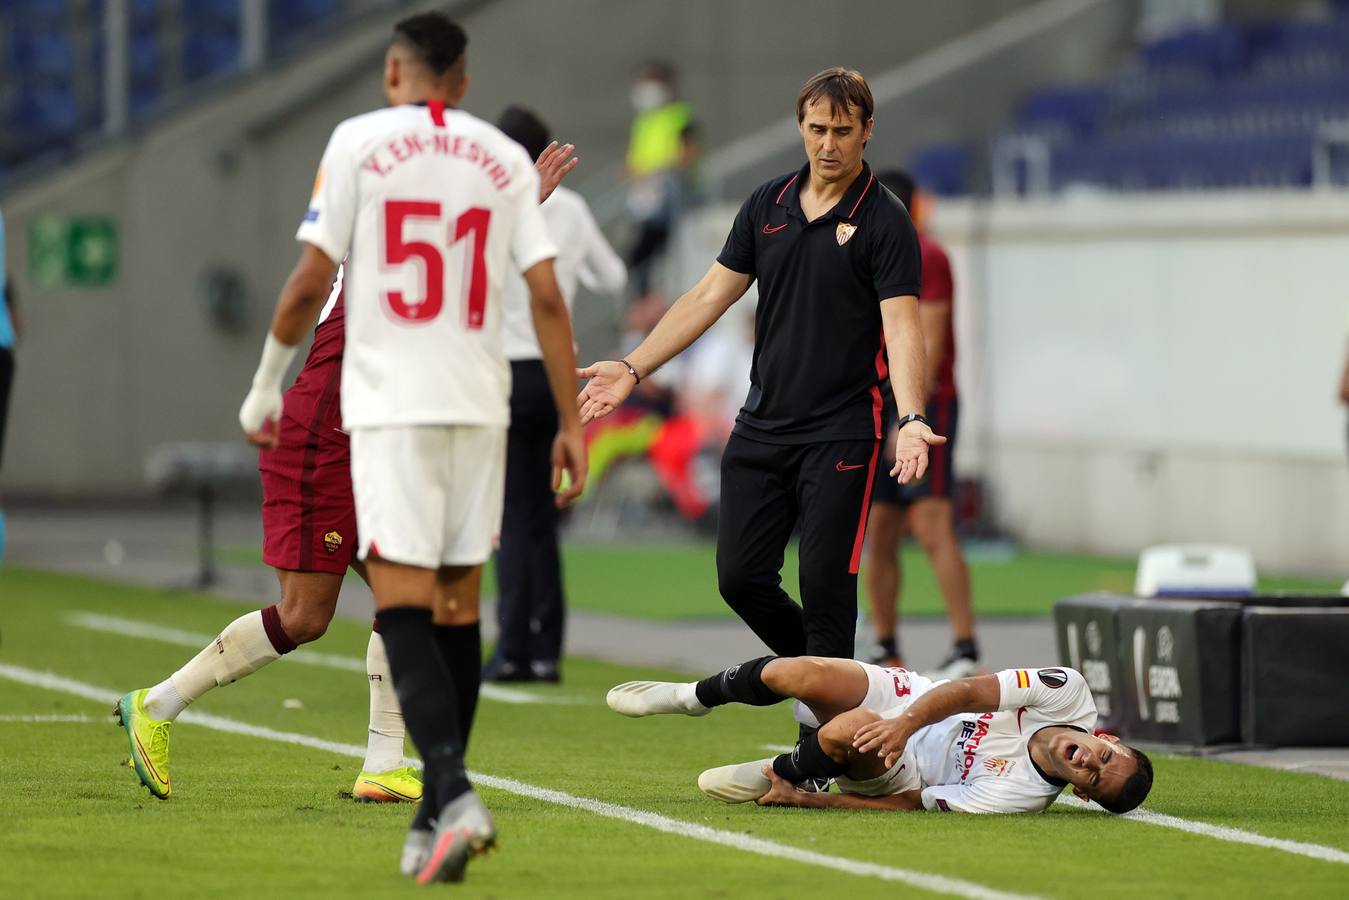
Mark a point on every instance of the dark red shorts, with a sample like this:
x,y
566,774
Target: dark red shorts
x,y
308,512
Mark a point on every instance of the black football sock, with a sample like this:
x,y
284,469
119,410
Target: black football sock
x,y
808,760
461,649
967,648
427,697
889,646
738,684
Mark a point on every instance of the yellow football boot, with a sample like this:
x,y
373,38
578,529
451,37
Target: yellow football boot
x,y
399,786
149,739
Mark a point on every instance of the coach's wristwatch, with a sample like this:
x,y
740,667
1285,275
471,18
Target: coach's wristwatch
x,y
912,417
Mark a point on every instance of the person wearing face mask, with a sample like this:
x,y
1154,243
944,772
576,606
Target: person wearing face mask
x,y
661,150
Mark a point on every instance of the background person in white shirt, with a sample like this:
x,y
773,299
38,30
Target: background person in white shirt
x,y
530,596
892,739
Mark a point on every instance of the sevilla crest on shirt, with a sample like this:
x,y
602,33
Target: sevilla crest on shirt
x,y
844,232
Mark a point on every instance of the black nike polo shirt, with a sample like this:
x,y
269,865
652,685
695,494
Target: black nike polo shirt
x,y
819,348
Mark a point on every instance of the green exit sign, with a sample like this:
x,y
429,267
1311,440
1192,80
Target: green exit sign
x,y
72,251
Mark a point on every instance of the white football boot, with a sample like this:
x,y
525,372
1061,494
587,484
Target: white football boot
x,y
416,848
651,698
740,783
464,829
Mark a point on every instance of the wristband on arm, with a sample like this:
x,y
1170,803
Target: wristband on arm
x,y
276,358
912,417
631,371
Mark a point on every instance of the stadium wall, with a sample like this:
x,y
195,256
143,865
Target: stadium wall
x,y
1154,369
106,374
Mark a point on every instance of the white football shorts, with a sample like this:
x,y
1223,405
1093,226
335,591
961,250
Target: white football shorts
x,y
889,692
429,495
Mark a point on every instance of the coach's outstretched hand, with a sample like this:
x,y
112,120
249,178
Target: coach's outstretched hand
x,y
911,445
610,384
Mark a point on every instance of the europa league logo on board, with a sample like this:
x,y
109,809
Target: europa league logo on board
x,y
1158,682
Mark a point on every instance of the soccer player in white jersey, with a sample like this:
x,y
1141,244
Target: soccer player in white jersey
x,y
892,739
430,207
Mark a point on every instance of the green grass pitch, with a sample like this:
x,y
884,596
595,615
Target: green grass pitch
x,y
254,817
679,581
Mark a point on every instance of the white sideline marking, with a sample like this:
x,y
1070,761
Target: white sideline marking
x,y
777,748
46,719
937,883
132,628
1222,832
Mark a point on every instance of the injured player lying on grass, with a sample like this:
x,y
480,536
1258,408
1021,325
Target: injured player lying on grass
x,y
892,739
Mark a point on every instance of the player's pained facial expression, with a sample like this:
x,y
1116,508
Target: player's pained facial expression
x,y
1096,766
834,141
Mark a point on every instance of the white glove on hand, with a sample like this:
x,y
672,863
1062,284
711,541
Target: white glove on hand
x,y
261,404
264,398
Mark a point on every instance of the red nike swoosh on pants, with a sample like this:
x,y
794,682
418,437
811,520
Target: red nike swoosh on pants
x,y
840,467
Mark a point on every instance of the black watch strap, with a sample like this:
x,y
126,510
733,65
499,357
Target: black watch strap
x,y
912,417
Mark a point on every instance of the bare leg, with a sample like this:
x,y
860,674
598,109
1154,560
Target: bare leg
x,y
828,686
932,521
395,584
458,593
308,602
884,532
836,739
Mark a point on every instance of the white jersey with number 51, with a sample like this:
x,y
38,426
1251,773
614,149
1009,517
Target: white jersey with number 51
x,y
430,207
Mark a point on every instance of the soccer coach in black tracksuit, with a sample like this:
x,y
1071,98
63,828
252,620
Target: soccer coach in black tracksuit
x,y
838,265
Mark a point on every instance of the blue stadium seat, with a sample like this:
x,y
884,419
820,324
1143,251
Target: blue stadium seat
x,y
40,52
205,14
208,53
146,61
51,12
1077,110
40,113
944,168
1216,51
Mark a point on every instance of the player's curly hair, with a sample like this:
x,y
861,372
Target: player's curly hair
x,y
436,39
1135,789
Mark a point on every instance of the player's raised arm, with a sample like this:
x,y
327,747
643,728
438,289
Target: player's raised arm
x,y
888,737
692,314
301,298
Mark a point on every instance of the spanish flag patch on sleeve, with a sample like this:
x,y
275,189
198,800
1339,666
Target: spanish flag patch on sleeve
x,y
1022,678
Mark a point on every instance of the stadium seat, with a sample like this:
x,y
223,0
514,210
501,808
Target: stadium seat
x,y
40,52
944,168
210,53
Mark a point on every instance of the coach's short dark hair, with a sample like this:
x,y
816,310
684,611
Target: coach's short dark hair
x,y
899,183
1135,789
525,128
435,39
843,88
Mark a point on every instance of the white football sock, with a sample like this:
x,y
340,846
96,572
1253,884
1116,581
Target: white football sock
x,y
163,702
687,694
384,748
241,649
